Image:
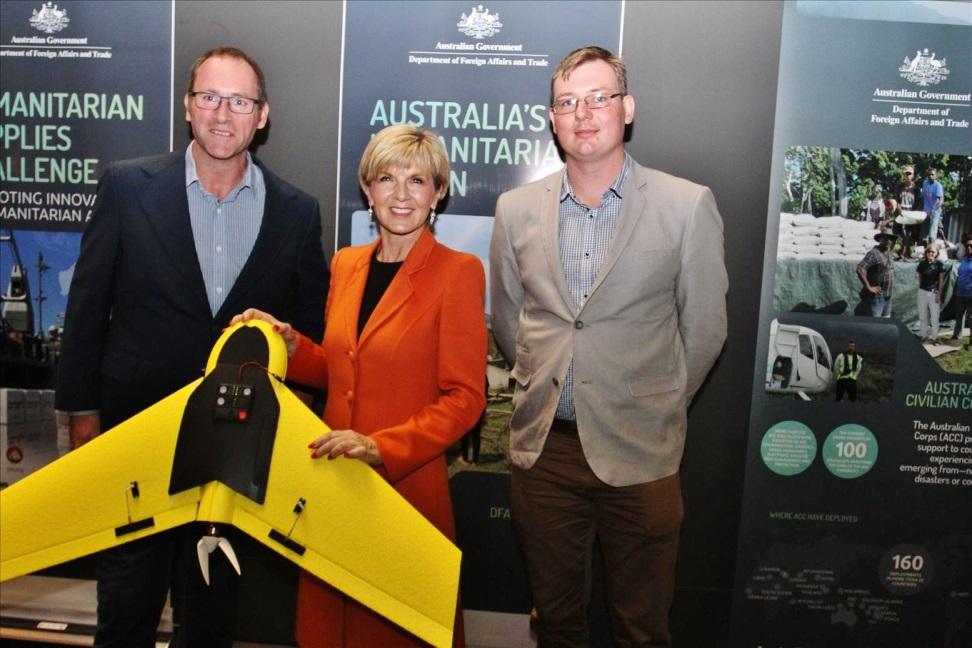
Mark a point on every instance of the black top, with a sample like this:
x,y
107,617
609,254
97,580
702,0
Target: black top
x,y
380,275
909,197
928,274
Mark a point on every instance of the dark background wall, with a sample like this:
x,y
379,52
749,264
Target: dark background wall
x,y
704,75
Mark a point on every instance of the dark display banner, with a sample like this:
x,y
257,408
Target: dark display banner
x,y
478,74
856,527
84,83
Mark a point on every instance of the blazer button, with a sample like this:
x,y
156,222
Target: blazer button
x,y
578,324
556,382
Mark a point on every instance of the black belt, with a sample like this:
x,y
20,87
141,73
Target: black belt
x,y
564,426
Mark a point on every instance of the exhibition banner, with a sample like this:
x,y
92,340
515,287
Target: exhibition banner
x,y
83,83
478,74
856,527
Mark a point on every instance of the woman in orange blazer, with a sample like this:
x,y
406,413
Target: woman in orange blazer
x,y
403,359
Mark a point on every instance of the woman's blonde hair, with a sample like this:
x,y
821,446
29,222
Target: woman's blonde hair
x,y
402,146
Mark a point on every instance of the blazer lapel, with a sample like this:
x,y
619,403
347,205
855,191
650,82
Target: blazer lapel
x,y
550,232
166,209
401,288
633,205
354,294
275,231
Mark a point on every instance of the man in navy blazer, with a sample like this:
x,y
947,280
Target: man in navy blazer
x,y
177,244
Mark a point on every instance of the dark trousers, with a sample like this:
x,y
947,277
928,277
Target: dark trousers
x,y
471,440
559,507
134,579
963,311
474,436
848,385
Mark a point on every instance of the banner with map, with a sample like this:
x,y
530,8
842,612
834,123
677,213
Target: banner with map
x,y
856,527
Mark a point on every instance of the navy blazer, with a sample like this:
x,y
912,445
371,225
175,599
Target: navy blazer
x,y
138,324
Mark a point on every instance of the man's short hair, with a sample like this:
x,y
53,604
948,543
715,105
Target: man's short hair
x,y
583,55
402,146
230,52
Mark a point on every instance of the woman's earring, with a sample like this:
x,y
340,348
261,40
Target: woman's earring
x,y
432,218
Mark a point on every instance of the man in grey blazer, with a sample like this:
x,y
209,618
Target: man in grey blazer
x,y
608,293
178,244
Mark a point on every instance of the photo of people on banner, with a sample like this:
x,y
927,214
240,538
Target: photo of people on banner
x,y
881,234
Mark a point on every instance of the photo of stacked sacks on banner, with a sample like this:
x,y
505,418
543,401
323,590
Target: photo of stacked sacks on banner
x,y
808,236
819,261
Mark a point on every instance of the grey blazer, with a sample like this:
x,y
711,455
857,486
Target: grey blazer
x,y
652,326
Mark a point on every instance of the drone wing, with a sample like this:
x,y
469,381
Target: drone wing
x,y
106,493
338,520
353,531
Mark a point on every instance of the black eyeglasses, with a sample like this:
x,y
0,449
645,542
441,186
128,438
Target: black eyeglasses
x,y
237,104
567,105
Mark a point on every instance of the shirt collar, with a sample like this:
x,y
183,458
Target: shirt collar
x,y
248,180
566,190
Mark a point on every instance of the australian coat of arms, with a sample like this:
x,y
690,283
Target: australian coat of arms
x,y
479,23
924,69
49,19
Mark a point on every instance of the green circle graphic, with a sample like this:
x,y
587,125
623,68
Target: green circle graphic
x,y
788,448
850,451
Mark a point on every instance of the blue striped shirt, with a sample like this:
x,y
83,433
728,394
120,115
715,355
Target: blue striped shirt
x,y
224,231
585,235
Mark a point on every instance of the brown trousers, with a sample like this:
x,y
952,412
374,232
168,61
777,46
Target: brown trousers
x,y
559,507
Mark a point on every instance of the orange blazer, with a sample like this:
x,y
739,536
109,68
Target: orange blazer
x,y
413,382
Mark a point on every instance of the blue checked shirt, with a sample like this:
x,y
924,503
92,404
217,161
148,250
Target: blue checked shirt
x,y
585,237
224,231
